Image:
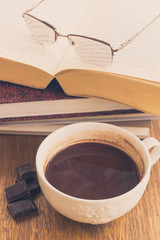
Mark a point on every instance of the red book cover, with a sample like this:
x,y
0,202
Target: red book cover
x,y
14,93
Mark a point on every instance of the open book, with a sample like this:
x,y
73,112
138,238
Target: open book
x,y
133,78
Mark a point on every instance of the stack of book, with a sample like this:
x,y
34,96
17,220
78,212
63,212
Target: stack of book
x,y
25,110
46,87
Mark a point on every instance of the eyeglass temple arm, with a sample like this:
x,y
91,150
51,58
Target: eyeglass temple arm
x,y
34,6
126,43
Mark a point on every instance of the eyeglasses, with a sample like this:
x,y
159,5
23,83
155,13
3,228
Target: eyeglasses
x,y
89,49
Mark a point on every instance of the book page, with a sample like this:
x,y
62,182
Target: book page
x,y
115,22
16,42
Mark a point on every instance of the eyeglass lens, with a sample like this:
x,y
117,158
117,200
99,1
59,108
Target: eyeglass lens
x,y
91,50
42,33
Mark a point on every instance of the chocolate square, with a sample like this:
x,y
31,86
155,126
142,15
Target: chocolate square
x,y
26,171
22,208
17,191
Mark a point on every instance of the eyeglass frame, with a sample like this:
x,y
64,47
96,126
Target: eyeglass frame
x,y
122,46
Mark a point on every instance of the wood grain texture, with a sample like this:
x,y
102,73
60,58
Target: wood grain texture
x,y
141,223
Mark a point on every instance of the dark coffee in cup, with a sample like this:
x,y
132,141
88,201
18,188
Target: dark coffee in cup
x,y
92,170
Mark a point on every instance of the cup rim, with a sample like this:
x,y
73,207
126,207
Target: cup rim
x,y
51,135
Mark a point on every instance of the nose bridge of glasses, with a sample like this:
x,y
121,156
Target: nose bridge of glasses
x,y
60,35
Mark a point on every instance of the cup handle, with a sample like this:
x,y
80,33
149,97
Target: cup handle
x,y
153,146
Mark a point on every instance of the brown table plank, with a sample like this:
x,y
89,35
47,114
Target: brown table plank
x,y
141,223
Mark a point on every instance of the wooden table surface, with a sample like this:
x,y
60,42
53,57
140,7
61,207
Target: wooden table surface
x,y
141,223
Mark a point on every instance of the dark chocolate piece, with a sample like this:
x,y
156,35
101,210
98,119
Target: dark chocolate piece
x,y
26,171
17,191
33,186
22,208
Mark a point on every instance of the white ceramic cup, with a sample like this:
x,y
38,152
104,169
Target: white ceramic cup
x,y
96,211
